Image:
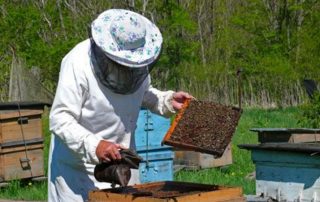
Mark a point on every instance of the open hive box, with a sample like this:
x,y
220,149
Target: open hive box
x,y
169,191
204,127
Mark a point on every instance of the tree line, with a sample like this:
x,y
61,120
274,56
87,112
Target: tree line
x,y
272,44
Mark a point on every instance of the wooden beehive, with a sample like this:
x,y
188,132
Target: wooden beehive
x,y
21,144
167,191
198,160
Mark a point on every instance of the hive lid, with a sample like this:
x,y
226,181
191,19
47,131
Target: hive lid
x,y
203,127
286,130
311,148
23,105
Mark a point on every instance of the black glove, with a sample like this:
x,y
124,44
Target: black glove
x,y
118,171
131,158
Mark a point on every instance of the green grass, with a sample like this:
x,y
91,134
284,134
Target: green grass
x,y
233,175
24,190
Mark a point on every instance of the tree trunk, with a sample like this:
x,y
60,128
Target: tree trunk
x,y
287,16
200,9
300,18
61,19
144,6
272,8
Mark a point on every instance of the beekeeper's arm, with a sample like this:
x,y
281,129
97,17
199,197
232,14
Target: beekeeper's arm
x,y
165,103
66,111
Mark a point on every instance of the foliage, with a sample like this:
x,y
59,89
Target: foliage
x,y
41,32
267,39
310,115
176,27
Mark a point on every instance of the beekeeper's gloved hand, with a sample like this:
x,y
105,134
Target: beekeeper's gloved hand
x,y
131,158
118,171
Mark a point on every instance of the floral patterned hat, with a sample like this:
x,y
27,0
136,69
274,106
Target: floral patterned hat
x,y
126,37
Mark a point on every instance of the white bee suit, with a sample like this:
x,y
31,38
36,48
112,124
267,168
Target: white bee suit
x,y
85,112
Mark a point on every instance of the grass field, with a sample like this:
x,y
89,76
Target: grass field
x,y
233,175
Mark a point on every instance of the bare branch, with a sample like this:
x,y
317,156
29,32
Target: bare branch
x,y
61,19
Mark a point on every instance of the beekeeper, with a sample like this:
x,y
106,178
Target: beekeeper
x,y
103,83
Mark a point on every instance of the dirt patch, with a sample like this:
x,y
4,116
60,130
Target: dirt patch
x,y
203,126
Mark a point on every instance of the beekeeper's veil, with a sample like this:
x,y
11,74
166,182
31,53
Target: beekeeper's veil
x,y
125,45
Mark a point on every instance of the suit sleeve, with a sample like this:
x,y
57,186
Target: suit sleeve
x,y
157,101
66,112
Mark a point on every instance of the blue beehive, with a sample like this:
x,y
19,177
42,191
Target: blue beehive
x,y
157,162
286,171
287,163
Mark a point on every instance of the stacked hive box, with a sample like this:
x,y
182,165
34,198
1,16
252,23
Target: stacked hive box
x,y
197,160
157,162
21,141
287,163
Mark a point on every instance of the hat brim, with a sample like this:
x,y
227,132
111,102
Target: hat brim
x,y
139,57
